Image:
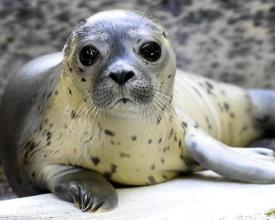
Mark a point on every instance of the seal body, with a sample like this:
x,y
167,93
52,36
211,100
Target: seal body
x,y
112,108
141,151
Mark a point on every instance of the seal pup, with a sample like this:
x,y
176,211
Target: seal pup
x,y
110,108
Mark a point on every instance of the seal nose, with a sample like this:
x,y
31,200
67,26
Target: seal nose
x,y
122,77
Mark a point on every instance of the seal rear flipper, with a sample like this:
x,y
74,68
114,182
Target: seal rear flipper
x,y
243,165
87,189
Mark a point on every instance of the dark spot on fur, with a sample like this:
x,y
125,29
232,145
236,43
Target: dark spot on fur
x,y
162,160
73,114
49,95
209,91
49,135
171,133
169,76
108,132
113,168
107,175
83,79
184,125
152,180
123,155
82,21
167,148
158,120
153,167
164,34
226,106
170,118
196,125
149,141
95,160
180,143
197,91
70,91
160,140
232,115
44,95
209,85
69,67
134,138
244,128
164,177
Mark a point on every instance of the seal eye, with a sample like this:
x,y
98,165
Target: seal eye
x,y
88,55
151,51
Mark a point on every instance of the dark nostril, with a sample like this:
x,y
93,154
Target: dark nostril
x,y
114,77
122,77
129,75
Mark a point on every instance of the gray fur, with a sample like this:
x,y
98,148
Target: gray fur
x,y
22,95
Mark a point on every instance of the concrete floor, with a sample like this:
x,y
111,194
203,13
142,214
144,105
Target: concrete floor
x,y
205,196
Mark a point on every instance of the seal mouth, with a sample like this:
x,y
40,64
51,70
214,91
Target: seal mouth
x,y
123,101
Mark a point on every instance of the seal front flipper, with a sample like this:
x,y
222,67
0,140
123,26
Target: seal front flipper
x,y
85,188
231,163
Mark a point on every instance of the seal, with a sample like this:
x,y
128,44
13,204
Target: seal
x,y
111,108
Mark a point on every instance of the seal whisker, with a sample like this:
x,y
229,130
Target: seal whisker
x,y
163,116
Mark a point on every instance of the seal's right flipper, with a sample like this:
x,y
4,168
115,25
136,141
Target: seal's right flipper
x,y
268,143
243,165
89,190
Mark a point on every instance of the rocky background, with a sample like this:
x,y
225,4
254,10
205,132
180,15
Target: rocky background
x,y
228,40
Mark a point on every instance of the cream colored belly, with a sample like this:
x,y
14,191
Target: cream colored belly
x,y
135,156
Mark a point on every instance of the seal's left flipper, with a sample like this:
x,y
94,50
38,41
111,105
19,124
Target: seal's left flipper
x,y
87,189
243,165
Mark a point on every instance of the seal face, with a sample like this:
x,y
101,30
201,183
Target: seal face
x,y
111,108
124,60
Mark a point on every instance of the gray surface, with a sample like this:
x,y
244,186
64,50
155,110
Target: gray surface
x,y
188,198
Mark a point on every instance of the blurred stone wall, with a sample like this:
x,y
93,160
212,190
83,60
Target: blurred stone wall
x,y
228,40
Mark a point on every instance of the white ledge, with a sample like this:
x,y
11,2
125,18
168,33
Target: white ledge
x,y
184,198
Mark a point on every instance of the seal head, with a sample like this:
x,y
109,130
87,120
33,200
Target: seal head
x,y
119,61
